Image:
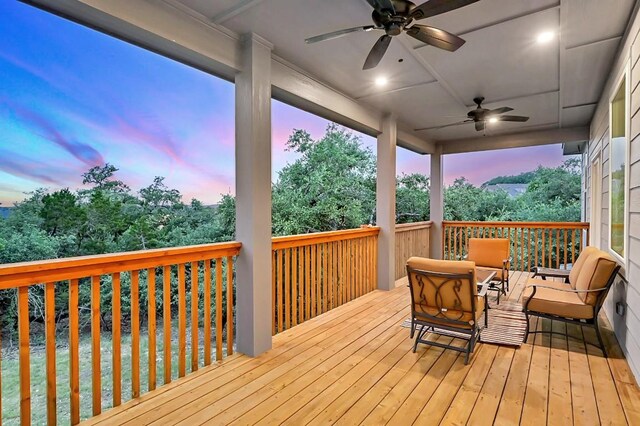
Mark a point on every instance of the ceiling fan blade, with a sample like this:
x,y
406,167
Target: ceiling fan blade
x,y
515,118
339,33
446,125
436,37
500,110
436,7
377,52
381,5
480,125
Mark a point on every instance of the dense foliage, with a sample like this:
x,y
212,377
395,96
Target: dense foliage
x,y
330,186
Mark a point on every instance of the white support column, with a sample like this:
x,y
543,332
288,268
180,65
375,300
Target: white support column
x,y
386,202
253,196
436,204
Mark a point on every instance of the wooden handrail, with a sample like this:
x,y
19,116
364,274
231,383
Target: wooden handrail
x,y
506,224
29,273
291,241
405,227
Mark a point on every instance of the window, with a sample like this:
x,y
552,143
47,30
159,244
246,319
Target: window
x,y
617,171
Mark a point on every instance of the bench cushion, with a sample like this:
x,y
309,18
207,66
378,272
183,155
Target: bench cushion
x,y
556,302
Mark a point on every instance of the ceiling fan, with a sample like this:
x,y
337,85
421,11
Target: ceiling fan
x,y
480,116
397,16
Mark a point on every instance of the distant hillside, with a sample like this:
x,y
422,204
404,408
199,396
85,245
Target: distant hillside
x,y
525,177
4,212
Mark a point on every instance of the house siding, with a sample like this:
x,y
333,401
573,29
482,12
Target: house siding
x,y
627,290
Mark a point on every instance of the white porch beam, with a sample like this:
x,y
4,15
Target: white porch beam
x,y
436,204
386,202
253,196
515,140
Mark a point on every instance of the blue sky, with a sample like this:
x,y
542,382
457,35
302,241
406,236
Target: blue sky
x,y
72,98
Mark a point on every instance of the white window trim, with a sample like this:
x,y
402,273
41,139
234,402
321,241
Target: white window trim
x,y
625,74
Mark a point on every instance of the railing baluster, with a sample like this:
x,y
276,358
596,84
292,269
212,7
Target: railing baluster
x,y
280,290
287,288
273,293
135,334
325,276
50,338
24,358
116,359
207,311
294,287
229,305
219,309
151,325
182,321
314,281
74,356
166,322
195,323
307,282
564,247
96,370
319,279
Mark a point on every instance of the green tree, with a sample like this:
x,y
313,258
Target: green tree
x,y
332,185
412,198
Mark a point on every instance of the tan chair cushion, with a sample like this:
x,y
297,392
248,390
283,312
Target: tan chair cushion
x,y
595,274
490,252
579,263
555,302
439,296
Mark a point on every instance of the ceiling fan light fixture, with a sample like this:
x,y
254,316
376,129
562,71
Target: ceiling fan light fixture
x,y
493,120
545,37
381,81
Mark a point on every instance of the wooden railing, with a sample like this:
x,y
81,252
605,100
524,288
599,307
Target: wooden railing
x,y
546,244
314,273
412,239
200,273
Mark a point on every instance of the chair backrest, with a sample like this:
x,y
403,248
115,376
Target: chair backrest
x,y
489,252
598,271
443,290
579,263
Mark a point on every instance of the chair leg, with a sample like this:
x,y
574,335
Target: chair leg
x,y
486,311
419,336
413,329
604,350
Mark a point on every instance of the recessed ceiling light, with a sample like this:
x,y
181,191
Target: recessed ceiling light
x,y
545,37
381,81
493,120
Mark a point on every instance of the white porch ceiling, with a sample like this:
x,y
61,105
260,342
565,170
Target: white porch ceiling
x,y
556,84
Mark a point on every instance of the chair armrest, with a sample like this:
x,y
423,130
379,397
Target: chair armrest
x,y
550,272
568,290
483,290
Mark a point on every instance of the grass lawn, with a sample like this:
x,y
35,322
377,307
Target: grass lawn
x,y
11,380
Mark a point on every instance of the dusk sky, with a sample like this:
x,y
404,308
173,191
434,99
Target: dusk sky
x,y
72,98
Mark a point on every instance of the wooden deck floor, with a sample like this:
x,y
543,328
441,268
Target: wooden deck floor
x,y
354,365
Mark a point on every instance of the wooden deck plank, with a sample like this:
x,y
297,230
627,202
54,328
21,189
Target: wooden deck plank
x,y
585,409
258,390
462,403
486,406
560,409
355,365
206,391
